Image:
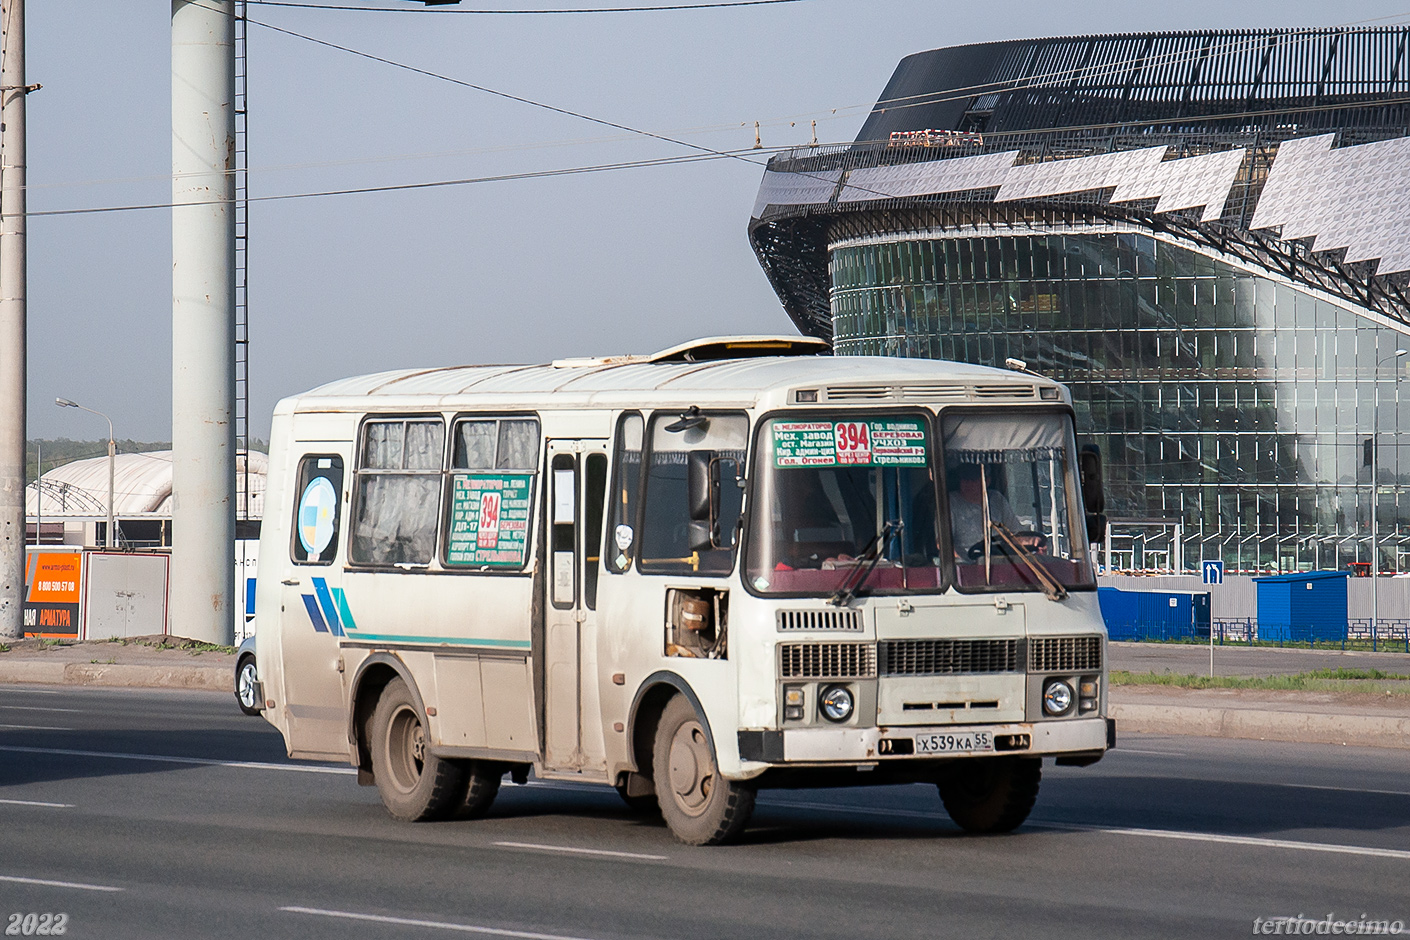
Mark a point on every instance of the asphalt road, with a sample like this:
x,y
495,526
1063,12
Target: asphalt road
x,y
223,837
1233,660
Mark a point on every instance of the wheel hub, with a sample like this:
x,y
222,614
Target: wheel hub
x,y
692,773
406,749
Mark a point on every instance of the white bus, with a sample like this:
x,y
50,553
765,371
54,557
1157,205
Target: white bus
x,y
735,564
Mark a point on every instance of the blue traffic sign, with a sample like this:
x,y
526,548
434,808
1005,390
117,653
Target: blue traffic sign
x,y
1213,572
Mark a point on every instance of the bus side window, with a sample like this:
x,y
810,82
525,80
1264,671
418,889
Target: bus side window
x,y
675,438
493,465
594,490
318,512
398,492
626,487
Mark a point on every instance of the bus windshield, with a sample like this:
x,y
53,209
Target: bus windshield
x,y
847,505
1015,519
844,504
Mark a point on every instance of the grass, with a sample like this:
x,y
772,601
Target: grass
x,y
4,648
1372,681
194,647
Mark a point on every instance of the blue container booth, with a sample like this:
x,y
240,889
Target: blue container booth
x,y
1303,607
1153,615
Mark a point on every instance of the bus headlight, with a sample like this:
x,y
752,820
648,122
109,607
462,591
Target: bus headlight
x,y
836,703
1057,698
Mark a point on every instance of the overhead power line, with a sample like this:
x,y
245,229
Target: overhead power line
x,y
401,187
497,93
520,12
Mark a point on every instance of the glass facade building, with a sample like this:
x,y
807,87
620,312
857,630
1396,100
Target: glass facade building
x,y
1225,299
1231,404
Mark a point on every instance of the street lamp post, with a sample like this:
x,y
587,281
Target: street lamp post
x,y
1375,489
112,462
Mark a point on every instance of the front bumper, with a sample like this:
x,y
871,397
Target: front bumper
x,y
863,745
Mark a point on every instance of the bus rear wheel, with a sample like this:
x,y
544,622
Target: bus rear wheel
x,y
700,806
482,779
415,785
991,794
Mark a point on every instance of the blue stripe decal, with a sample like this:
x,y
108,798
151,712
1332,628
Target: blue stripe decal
x,y
314,613
343,612
330,610
444,640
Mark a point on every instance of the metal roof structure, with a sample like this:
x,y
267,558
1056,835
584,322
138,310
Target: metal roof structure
x,y
141,486
1287,151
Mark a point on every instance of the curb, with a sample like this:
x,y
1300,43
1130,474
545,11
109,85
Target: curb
x,y
1265,725
118,675
1247,723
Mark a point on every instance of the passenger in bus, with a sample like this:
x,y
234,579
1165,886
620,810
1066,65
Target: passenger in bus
x,y
967,509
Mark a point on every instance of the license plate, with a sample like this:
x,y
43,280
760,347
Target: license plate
x,y
966,742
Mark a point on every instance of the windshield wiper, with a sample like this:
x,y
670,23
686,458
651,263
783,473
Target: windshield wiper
x,y
866,563
1054,590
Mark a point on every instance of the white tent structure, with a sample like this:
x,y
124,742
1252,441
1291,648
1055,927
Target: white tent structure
x,y
75,495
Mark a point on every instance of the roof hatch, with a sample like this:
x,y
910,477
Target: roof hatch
x,y
714,348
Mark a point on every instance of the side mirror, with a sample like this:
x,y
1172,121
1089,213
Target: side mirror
x,y
702,485
1089,463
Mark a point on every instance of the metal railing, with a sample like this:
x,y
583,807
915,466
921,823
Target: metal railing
x,y
1388,635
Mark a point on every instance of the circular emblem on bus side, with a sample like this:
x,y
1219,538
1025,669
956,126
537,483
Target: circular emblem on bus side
x,y
318,507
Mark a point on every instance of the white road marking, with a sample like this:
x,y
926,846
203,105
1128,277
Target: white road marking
x,y
576,851
35,728
26,690
37,803
1253,841
199,761
39,708
1133,750
435,924
1314,786
78,885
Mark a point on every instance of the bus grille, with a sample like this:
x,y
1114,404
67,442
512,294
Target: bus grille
x,y
827,660
789,620
1064,653
948,657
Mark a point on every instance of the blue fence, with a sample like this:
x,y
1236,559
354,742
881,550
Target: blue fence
x,y
1391,635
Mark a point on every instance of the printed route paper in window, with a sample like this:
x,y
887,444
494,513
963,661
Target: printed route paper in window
x,y
889,442
489,521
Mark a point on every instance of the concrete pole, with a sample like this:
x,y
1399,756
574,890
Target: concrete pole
x,y
112,469
203,319
13,290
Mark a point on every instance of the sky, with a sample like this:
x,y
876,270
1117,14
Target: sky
x,y
527,270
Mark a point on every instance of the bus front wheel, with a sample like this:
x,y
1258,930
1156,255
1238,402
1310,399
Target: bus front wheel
x,y
415,785
700,806
991,794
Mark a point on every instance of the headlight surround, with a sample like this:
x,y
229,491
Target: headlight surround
x,y
1057,698
836,703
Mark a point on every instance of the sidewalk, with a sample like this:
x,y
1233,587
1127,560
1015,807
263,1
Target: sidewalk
x,y
1236,660
1306,717
138,663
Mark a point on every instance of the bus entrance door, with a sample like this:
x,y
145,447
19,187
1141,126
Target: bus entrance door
x,y
577,484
